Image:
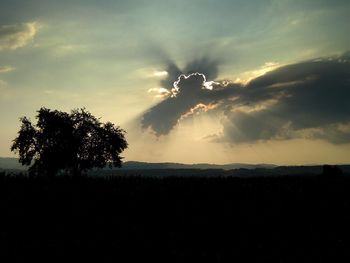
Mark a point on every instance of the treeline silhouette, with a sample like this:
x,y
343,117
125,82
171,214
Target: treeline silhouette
x,y
176,219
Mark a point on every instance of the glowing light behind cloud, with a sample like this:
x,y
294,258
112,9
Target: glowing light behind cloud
x,y
247,76
160,92
206,84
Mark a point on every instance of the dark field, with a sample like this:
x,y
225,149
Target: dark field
x,y
269,219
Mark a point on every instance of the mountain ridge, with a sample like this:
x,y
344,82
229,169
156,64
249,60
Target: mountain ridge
x,y
170,165
12,163
145,168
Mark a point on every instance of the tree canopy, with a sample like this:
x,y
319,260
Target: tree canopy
x,y
73,143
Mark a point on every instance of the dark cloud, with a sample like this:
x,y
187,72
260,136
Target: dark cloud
x,y
304,100
164,116
308,99
173,73
206,66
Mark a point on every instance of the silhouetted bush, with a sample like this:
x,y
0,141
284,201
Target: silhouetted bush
x,y
331,170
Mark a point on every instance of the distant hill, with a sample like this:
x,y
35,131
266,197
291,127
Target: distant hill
x,y
12,163
132,165
203,169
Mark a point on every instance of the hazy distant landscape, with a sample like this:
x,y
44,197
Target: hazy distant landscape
x,y
12,163
177,169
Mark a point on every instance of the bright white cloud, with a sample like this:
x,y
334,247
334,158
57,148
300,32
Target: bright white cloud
x,y
160,73
160,92
17,35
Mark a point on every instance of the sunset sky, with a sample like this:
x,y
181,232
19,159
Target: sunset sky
x,y
217,81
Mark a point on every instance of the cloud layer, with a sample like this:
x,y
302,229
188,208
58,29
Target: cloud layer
x,y
17,35
304,100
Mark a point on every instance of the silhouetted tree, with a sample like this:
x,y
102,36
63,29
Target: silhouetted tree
x,y
73,143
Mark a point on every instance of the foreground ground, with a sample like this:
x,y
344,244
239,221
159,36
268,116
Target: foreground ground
x,y
270,219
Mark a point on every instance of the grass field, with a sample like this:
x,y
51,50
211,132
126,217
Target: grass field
x,y
175,219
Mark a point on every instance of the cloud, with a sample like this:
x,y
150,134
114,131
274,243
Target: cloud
x,y
304,100
165,115
309,100
6,69
187,89
204,65
17,35
160,73
160,92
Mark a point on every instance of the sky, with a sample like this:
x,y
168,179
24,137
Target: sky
x,y
227,81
